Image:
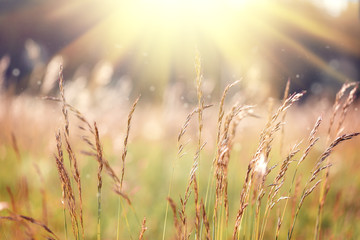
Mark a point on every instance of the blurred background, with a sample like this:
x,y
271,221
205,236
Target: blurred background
x,y
149,47
114,50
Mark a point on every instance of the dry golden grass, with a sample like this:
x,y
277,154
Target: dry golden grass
x,y
208,208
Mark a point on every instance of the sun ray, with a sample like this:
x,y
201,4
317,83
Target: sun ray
x,y
308,24
156,40
308,54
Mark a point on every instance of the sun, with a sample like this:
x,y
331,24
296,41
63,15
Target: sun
x,y
157,39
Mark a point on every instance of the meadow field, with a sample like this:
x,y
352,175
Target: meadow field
x,y
201,168
179,119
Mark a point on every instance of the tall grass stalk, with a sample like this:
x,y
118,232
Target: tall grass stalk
x,y
71,155
99,156
123,158
169,190
210,182
344,109
99,215
61,88
199,145
219,158
318,168
312,142
65,224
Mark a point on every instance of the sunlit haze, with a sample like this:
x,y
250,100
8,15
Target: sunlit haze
x,y
155,41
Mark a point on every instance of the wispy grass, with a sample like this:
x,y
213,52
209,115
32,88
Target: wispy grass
x,y
208,206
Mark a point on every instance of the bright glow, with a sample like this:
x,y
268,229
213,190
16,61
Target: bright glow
x,y
333,7
261,165
161,37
